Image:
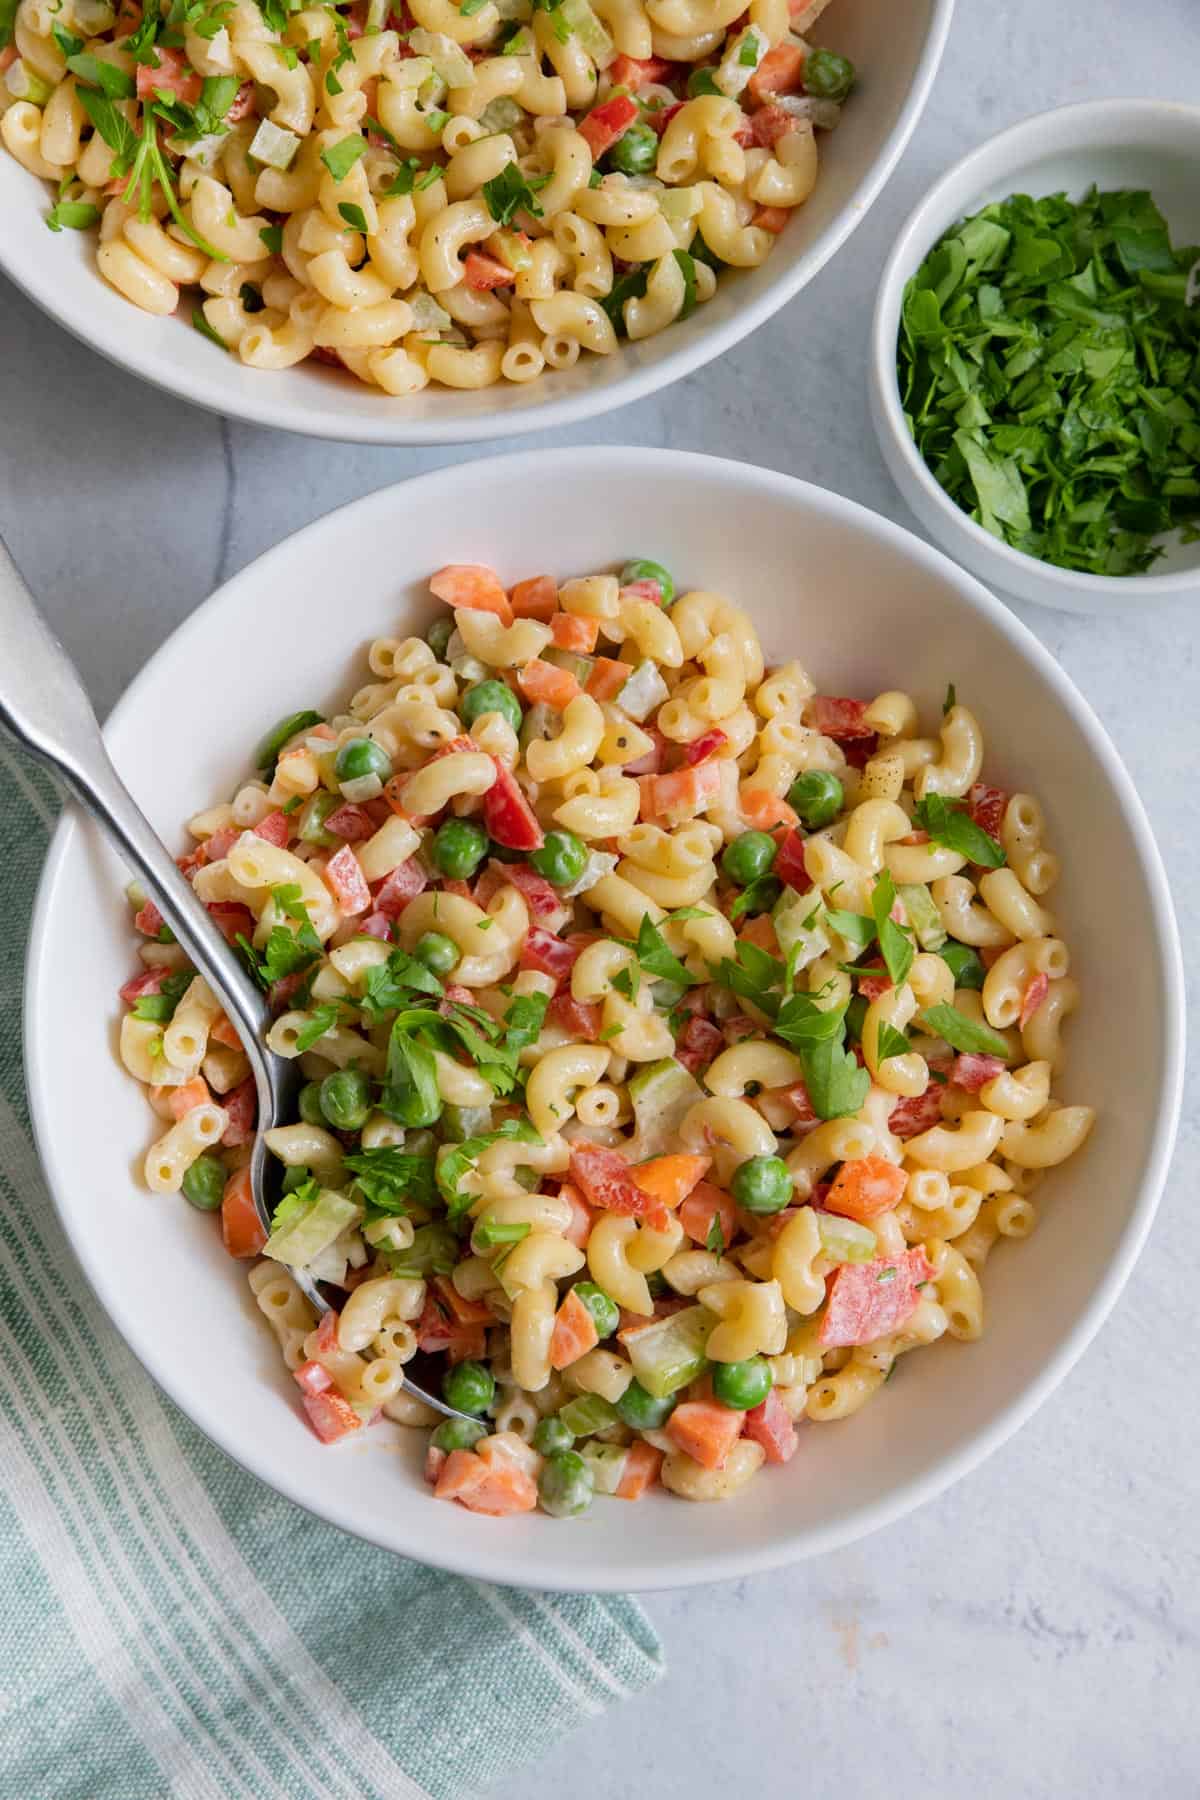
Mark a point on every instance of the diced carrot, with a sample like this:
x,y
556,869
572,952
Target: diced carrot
x,y
761,932
187,1096
495,1489
762,809
772,219
606,1180
241,1227
472,587
574,631
705,1430
170,74
545,682
642,1463
681,794
330,1416
866,1187
536,598
312,1377
634,72
779,72
705,1203
671,1178
574,1332
768,124
608,677
222,1031
467,1312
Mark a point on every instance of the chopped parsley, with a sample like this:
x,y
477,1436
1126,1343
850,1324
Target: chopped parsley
x,y
971,1036
341,157
512,192
949,823
894,941
160,1007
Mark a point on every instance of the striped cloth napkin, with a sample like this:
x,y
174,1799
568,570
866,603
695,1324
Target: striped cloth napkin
x,y
154,1642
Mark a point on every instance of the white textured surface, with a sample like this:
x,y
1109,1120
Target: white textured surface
x,y
1033,1633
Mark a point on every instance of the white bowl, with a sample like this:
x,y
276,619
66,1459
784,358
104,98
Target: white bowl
x,y
897,65
1152,144
867,607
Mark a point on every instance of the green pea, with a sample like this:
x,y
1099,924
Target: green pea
x,y
702,81
827,75
818,798
459,847
565,1485
762,1185
642,1411
439,634
266,756
204,1183
468,1387
606,1314
635,151
438,952
311,1110
361,757
551,1435
346,1099
489,697
748,857
457,1434
742,1384
964,964
642,569
561,859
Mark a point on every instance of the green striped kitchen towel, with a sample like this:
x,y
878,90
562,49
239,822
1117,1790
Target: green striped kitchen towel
x,y
154,1643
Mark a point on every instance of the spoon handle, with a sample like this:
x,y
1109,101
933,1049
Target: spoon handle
x,y
45,708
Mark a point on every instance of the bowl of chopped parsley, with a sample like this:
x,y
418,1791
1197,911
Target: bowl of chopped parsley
x,y
1035,382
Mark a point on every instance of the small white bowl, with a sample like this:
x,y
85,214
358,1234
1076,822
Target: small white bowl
x,y
897,62
866,606
1153,144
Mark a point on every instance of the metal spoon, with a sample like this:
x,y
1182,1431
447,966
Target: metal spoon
x,y
44,707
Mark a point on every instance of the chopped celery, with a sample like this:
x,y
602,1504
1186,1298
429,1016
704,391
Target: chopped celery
x,y
661,1094
273,146
24,83
845,1240
591,34
588,1413
449,59
501,114
410,72
607,1465
311,1228
462,1122
799,921
599,864
923,915
740,61
643,692
433,1251
579,666
668,1355
679,203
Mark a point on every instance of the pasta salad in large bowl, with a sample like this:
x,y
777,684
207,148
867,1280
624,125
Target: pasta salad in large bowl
x,y
685,1035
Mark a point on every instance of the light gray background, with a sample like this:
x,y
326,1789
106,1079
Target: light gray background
x,y
1034,1632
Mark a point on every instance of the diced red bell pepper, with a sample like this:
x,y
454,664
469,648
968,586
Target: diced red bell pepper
x,y
800,1100
173,74
241,1103
231,919
705,1203
376,925
580,1019
654,759
771,218
330,1416
1036,990
917,1113
680,795
872,986
973,1072
789,862
148,982
637,72
605,1179
987,807
643,590
148,920
543,901
313,1378
605,124
582,1215
439,1329
771,1426
406,881
870,1300
350,823
548,954
243,104
767,124
483,272
706,745
275,828
698,1044
507,814
347,883
839,718
661,116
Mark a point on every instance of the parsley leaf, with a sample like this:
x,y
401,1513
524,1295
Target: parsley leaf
x,y
112,82
76,215
759,895
294,1204
454,1163
353,215
511,192
715,1240
892,1042
894,941
857,931
160,1007
626,982
971,1036
656,959
389,986
322,1019
752,976
112,125
950,824
950,700
272,237
802,1021
201,324
523,1022
836,1085
410,1092
341,157
391,1180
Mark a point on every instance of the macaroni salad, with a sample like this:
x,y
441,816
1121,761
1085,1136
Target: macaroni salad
x,y
679,1040
459,193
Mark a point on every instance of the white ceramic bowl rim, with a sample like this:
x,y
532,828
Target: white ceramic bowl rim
x,y
914,242
36,277
556,1569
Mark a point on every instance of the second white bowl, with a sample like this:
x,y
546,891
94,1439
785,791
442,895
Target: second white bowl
x,y
1152,144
